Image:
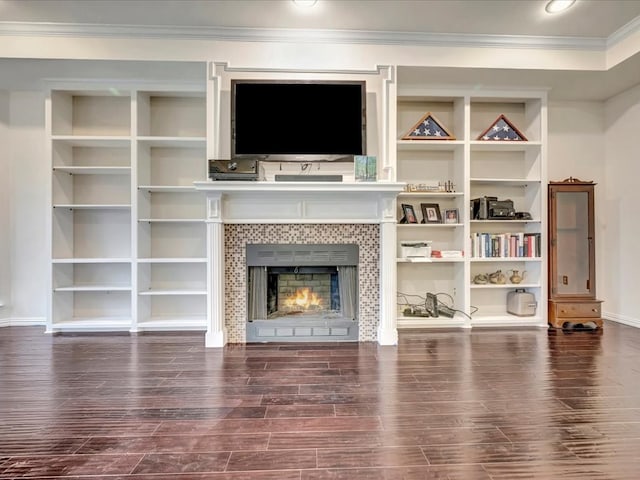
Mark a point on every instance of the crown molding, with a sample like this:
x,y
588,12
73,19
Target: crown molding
x,y
229,69
623,32
314,36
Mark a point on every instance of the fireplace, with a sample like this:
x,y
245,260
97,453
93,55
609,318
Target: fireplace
x,y
302,292
244,213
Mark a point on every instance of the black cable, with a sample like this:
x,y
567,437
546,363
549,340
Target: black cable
x,y
447,295
413,306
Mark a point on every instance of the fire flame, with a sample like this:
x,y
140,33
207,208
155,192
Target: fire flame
x,y
303,298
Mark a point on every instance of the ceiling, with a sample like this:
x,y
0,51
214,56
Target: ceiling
x,y
594,22
588,18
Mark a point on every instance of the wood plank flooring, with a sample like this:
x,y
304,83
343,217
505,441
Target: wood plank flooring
x,y
486,404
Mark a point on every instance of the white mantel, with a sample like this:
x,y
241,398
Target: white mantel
x,y
300,202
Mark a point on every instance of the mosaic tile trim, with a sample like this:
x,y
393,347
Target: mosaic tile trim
x,y
236,238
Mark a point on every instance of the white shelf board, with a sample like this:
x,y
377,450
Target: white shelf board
x,y
506,259
431,322
171,220
167,188
173,260
93,170
173,323
509,182
507,320
424,145
181,142
429,225
508,146
509,286
293,189
430,194
94,288
507,222
92,260
92,324
89,206
93,140
156,291
431,260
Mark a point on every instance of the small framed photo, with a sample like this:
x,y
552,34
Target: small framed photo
x,y
451,216
409,215
431,213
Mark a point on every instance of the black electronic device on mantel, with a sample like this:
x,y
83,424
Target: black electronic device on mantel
x,y
224,169
299,121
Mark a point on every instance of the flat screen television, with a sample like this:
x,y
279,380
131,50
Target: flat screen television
x,y
291,120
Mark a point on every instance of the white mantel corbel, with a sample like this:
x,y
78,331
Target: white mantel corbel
x,y
296,203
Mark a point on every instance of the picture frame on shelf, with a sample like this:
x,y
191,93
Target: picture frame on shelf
x,y
428,128
502,129
431,213
408,214
451,215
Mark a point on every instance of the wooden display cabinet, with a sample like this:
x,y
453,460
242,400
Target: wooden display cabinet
x,y
572,274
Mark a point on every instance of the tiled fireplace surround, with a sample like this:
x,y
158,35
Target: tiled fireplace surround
x,y
236,237
239,213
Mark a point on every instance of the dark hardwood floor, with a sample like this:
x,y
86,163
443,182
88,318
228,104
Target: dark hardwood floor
x,y
486,404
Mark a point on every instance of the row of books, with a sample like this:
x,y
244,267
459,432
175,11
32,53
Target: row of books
x,y
503,245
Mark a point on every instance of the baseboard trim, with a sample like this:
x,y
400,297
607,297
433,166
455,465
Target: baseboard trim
x,y
23,322
41,321
630,321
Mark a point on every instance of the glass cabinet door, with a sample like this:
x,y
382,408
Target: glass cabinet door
x,y
572,242
572,267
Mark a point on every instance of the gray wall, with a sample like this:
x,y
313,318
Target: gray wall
x,y
30,206
589,140
5,207
620,222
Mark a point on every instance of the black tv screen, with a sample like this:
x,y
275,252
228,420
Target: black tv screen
x,y
298,120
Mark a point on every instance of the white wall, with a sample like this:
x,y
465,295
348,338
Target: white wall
x,y
588,140
24,180
5,208
621,228
598,141
577,149
30,177
576,141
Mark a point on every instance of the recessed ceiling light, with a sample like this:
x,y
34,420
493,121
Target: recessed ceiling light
x,y
305,3
557,6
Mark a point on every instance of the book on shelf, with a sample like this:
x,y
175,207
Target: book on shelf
x,y
505,245
447,253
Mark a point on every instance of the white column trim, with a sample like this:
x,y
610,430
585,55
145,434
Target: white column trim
x,y
387,327
216,335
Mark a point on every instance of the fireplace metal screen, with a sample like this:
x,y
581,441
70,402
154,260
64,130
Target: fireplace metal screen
x,y
302,292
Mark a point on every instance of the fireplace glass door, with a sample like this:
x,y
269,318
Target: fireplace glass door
x,y
315,292
302,292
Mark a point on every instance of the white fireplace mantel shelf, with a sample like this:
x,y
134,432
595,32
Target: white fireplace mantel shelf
x,y
300,202
274,187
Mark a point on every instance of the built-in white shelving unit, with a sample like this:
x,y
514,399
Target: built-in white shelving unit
x,y
172,257
128,233
514,170
127,227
